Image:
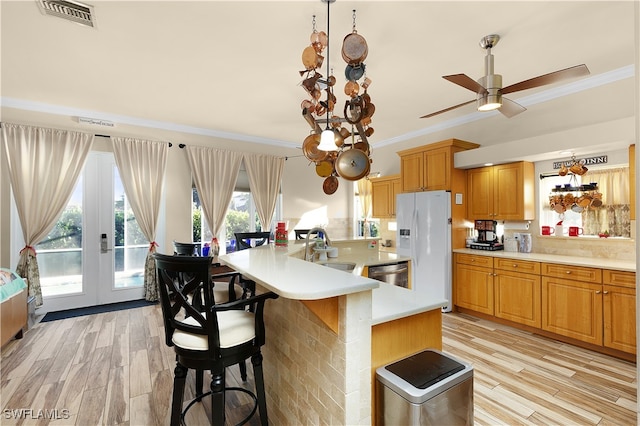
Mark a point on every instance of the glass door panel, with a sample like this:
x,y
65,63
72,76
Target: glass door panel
x,y
76,268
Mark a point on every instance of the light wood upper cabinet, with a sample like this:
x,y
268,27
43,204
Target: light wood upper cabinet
x,y
502,192
383,196
480,193
412,166
430,167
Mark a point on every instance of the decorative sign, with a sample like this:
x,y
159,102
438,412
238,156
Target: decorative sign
x,y
601,159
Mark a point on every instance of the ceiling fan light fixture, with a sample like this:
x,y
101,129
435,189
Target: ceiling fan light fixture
x,y
489,102
327,141
490,99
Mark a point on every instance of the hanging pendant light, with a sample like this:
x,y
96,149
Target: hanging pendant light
x,y
327,141
328,137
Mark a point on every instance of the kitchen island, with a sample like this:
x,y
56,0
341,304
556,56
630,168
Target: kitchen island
x,y
330,329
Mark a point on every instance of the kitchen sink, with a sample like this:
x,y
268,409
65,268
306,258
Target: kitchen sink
x,y
341,266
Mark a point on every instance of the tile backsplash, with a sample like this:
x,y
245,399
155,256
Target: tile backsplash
x,y
593,247
604,248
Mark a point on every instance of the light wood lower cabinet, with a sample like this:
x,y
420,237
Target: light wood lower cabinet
x,y
573,309
475,290
592,305
473,277
518,294
619,303
518,298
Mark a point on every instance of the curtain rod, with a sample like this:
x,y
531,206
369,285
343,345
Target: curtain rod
x,y
97,135
170,144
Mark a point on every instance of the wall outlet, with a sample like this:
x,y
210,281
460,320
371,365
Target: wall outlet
x,y
458,198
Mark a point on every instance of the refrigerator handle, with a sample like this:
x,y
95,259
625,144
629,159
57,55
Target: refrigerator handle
x,y
414,236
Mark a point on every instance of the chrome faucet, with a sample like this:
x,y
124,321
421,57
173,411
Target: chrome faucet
x,y
310,256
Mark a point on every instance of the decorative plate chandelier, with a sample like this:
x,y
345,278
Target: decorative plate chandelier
x,y
342,148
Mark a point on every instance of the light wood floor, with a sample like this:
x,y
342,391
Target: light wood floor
x,y
114,368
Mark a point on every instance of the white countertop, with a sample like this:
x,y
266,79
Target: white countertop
x,y
279,269
390,302
294,278
620,265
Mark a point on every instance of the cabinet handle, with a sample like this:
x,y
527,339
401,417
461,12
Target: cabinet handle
x,y
605,292
515,265
598,291
568,272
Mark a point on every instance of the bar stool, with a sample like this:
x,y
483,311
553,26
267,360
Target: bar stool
x,y
243,239
219,336
185,249
301,234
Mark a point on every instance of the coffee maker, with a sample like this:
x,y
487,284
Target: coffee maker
x,y
487,237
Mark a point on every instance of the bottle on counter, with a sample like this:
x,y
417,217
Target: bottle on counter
x,y
282,236
214,250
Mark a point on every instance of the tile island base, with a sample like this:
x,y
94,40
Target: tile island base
x,y
319,364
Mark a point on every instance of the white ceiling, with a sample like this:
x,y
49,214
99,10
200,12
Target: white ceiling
x,y
230,68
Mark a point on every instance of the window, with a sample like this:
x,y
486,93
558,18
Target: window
x,y
612,216
241,217
359,225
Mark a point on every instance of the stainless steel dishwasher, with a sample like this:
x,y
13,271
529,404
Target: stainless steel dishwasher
x,y
396,273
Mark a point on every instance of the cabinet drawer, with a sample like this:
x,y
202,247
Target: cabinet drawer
x,y
620,278
514,265
580,273
476,260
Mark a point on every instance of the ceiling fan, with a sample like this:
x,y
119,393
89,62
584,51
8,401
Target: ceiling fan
x,y
489,88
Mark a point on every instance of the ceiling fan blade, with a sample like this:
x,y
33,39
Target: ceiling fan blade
x,y
466,82
510,108
447,109
542,80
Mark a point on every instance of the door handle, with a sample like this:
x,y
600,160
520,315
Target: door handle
x,y
104,244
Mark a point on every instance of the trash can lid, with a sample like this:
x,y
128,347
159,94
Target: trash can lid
x,y
425,368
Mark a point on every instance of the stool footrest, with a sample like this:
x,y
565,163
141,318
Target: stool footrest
x,y
233,389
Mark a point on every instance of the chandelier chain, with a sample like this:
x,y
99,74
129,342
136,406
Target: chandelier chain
x,y
354,21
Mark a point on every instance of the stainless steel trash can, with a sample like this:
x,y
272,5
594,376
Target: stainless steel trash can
x,y
427,388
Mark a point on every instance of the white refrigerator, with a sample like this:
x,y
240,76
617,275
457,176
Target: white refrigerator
x,y
424,233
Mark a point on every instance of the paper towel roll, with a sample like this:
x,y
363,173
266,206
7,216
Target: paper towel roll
x,y
522,226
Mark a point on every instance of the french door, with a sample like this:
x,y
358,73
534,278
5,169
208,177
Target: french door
x,y
95,254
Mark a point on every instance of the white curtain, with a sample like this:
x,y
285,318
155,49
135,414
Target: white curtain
x,y
215,173
142,164
44,165
265,175
364,194
614,214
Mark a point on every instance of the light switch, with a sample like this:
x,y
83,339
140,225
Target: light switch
x,y
458,198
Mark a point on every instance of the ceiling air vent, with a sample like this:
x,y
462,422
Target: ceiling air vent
x,y
69,10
